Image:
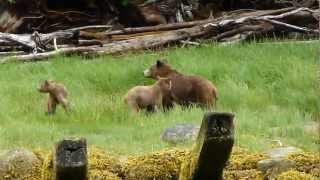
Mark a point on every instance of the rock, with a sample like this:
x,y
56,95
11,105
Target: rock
x,y
311,127
19,161
274,166
277,162
281,152
180,134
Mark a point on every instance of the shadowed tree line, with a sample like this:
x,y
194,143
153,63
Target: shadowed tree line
x,y
51,15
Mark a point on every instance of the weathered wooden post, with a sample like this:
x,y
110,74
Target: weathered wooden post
x,y
212,150
70,160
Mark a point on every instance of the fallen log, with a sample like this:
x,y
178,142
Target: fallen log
x,y
174,26
148,41
162,27
37,41
264,27
12,53
23,40
229,29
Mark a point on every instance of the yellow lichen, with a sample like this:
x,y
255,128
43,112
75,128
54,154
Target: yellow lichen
x,y
294,175
306,162
103,165
46,165
165,165
244,160
243,174
187,165
159,165
102,175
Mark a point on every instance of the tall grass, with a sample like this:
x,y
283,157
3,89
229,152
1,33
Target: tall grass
x,y
272,89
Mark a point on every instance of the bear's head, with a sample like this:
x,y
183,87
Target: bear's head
x,y
160,69
46,86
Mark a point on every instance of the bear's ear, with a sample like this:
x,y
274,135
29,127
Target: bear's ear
x,y
48,82
159,63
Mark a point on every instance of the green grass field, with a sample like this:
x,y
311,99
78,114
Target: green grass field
x,y
272,89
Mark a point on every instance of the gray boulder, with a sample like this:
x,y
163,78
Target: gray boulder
x,y
276,162
281,152
273,167
180,134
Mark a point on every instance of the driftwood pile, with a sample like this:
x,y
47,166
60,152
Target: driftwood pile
x,y
234,26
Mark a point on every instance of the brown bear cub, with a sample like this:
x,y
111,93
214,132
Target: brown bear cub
x,y
185,90
148,97
57,95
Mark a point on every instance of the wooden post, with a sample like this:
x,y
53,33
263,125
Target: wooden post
x,y
212,150
70,160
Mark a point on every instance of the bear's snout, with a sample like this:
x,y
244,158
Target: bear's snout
x,y
147,73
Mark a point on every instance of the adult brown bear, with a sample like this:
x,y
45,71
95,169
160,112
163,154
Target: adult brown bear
x,y
186,90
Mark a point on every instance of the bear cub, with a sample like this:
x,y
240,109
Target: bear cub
x,y
148,97
57,95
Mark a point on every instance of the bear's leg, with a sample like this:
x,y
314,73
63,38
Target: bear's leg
x,y
135,108
207,101
150,109
51,104
167,106
64,102
185,105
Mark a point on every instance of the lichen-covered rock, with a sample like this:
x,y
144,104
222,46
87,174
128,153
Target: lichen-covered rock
x,y
19,164
279,164
294,175
164,165
180,134
273,167
306,162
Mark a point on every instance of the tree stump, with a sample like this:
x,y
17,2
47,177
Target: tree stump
x,y
212,150
70,160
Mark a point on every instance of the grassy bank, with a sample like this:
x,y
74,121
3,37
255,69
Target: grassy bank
x,y
272,89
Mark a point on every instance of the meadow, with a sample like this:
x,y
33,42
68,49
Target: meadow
x,y
272,89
